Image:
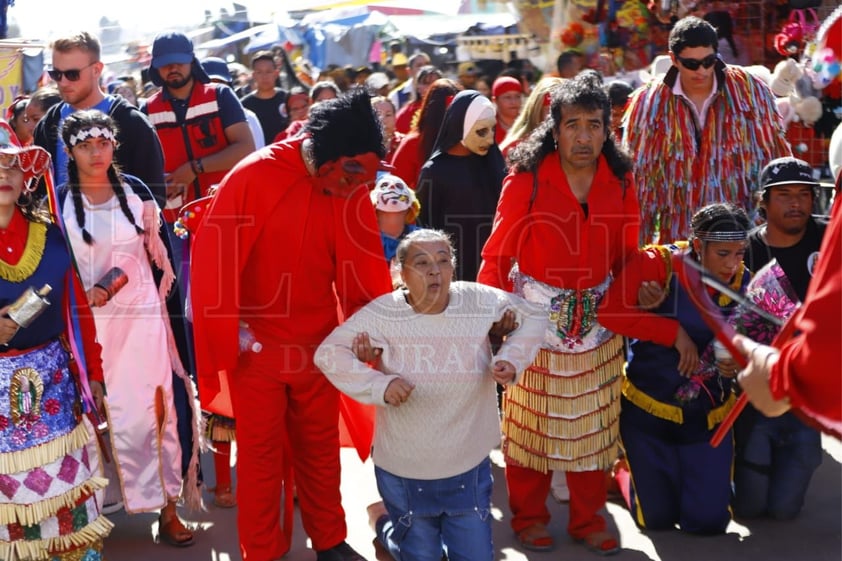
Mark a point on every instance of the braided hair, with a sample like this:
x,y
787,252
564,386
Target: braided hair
x,y
73,125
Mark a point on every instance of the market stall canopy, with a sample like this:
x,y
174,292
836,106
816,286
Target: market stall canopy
x,y
343,41
259,37
428,26
450,7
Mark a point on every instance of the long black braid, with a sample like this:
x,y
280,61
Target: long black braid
x,y
76,193
117,185
73,125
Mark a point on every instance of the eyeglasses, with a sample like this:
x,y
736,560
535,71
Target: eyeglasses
x,y
9,161
72,75
694,63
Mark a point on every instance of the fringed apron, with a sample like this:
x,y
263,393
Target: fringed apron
x,y
563,414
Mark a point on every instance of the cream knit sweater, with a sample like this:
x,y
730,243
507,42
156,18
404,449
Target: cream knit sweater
x,y
450,422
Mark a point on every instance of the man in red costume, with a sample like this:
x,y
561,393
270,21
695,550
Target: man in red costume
x,y
290,232
566,221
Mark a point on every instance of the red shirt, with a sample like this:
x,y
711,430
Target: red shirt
x,y
13,238
403,120
407,159
394,142
555,242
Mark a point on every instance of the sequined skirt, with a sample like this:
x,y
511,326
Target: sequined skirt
x,y
48,509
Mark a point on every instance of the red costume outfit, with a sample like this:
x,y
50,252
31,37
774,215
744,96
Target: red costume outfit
x,y
563,255
288,297
802,372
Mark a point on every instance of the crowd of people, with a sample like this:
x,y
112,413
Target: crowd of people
x,y
506,267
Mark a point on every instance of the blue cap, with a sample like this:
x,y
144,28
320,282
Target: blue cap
x,y
217,69
171,48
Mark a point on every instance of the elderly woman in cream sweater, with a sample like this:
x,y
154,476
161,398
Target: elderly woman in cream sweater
x,y
435,384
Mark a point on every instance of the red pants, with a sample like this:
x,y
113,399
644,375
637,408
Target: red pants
x,y
529,489
270,403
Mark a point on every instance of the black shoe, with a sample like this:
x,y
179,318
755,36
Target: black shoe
x,y
341,552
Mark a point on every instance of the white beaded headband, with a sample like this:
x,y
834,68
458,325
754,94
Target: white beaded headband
x,y
738,236
91,132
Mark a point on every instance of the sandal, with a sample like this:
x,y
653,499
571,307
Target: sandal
x,y
536,538
224,498
601,543
174,532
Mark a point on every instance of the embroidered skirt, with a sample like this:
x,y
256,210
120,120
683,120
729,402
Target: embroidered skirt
x,y
48,510
564,412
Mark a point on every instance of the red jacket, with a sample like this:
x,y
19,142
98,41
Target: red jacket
x,y
407,159
200,134
555,242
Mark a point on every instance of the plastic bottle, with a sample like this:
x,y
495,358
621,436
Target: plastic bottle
x,y
248,342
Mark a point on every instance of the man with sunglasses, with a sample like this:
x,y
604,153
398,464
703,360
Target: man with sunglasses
x,y
700,134
76,70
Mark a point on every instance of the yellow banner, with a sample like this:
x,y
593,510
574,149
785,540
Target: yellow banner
x,y
11,77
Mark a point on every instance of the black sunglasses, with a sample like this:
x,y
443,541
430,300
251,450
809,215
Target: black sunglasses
x,y
72,75
694,63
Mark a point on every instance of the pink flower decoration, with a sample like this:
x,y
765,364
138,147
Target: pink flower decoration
x,y
18,437
40,430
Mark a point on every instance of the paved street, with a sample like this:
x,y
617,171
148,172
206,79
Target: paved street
x,y
815,536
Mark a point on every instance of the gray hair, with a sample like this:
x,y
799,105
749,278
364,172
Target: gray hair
x,y
424,235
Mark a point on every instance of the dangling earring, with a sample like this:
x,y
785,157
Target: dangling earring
x,y
30,186
25,199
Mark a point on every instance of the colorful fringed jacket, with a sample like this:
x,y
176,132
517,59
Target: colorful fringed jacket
x,y
680,167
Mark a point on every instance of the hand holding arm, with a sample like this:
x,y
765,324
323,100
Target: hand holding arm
x,y
688,353
650,295
397,392
364,351
504,372
505,325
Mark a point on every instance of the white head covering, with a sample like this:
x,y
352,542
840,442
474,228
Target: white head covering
x,y
480,108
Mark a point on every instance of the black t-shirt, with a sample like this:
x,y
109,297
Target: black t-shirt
x,y
797,261
271,113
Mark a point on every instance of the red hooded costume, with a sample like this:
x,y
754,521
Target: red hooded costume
x,y
277,252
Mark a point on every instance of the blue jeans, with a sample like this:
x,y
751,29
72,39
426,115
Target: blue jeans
x,y
427,517
775,460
